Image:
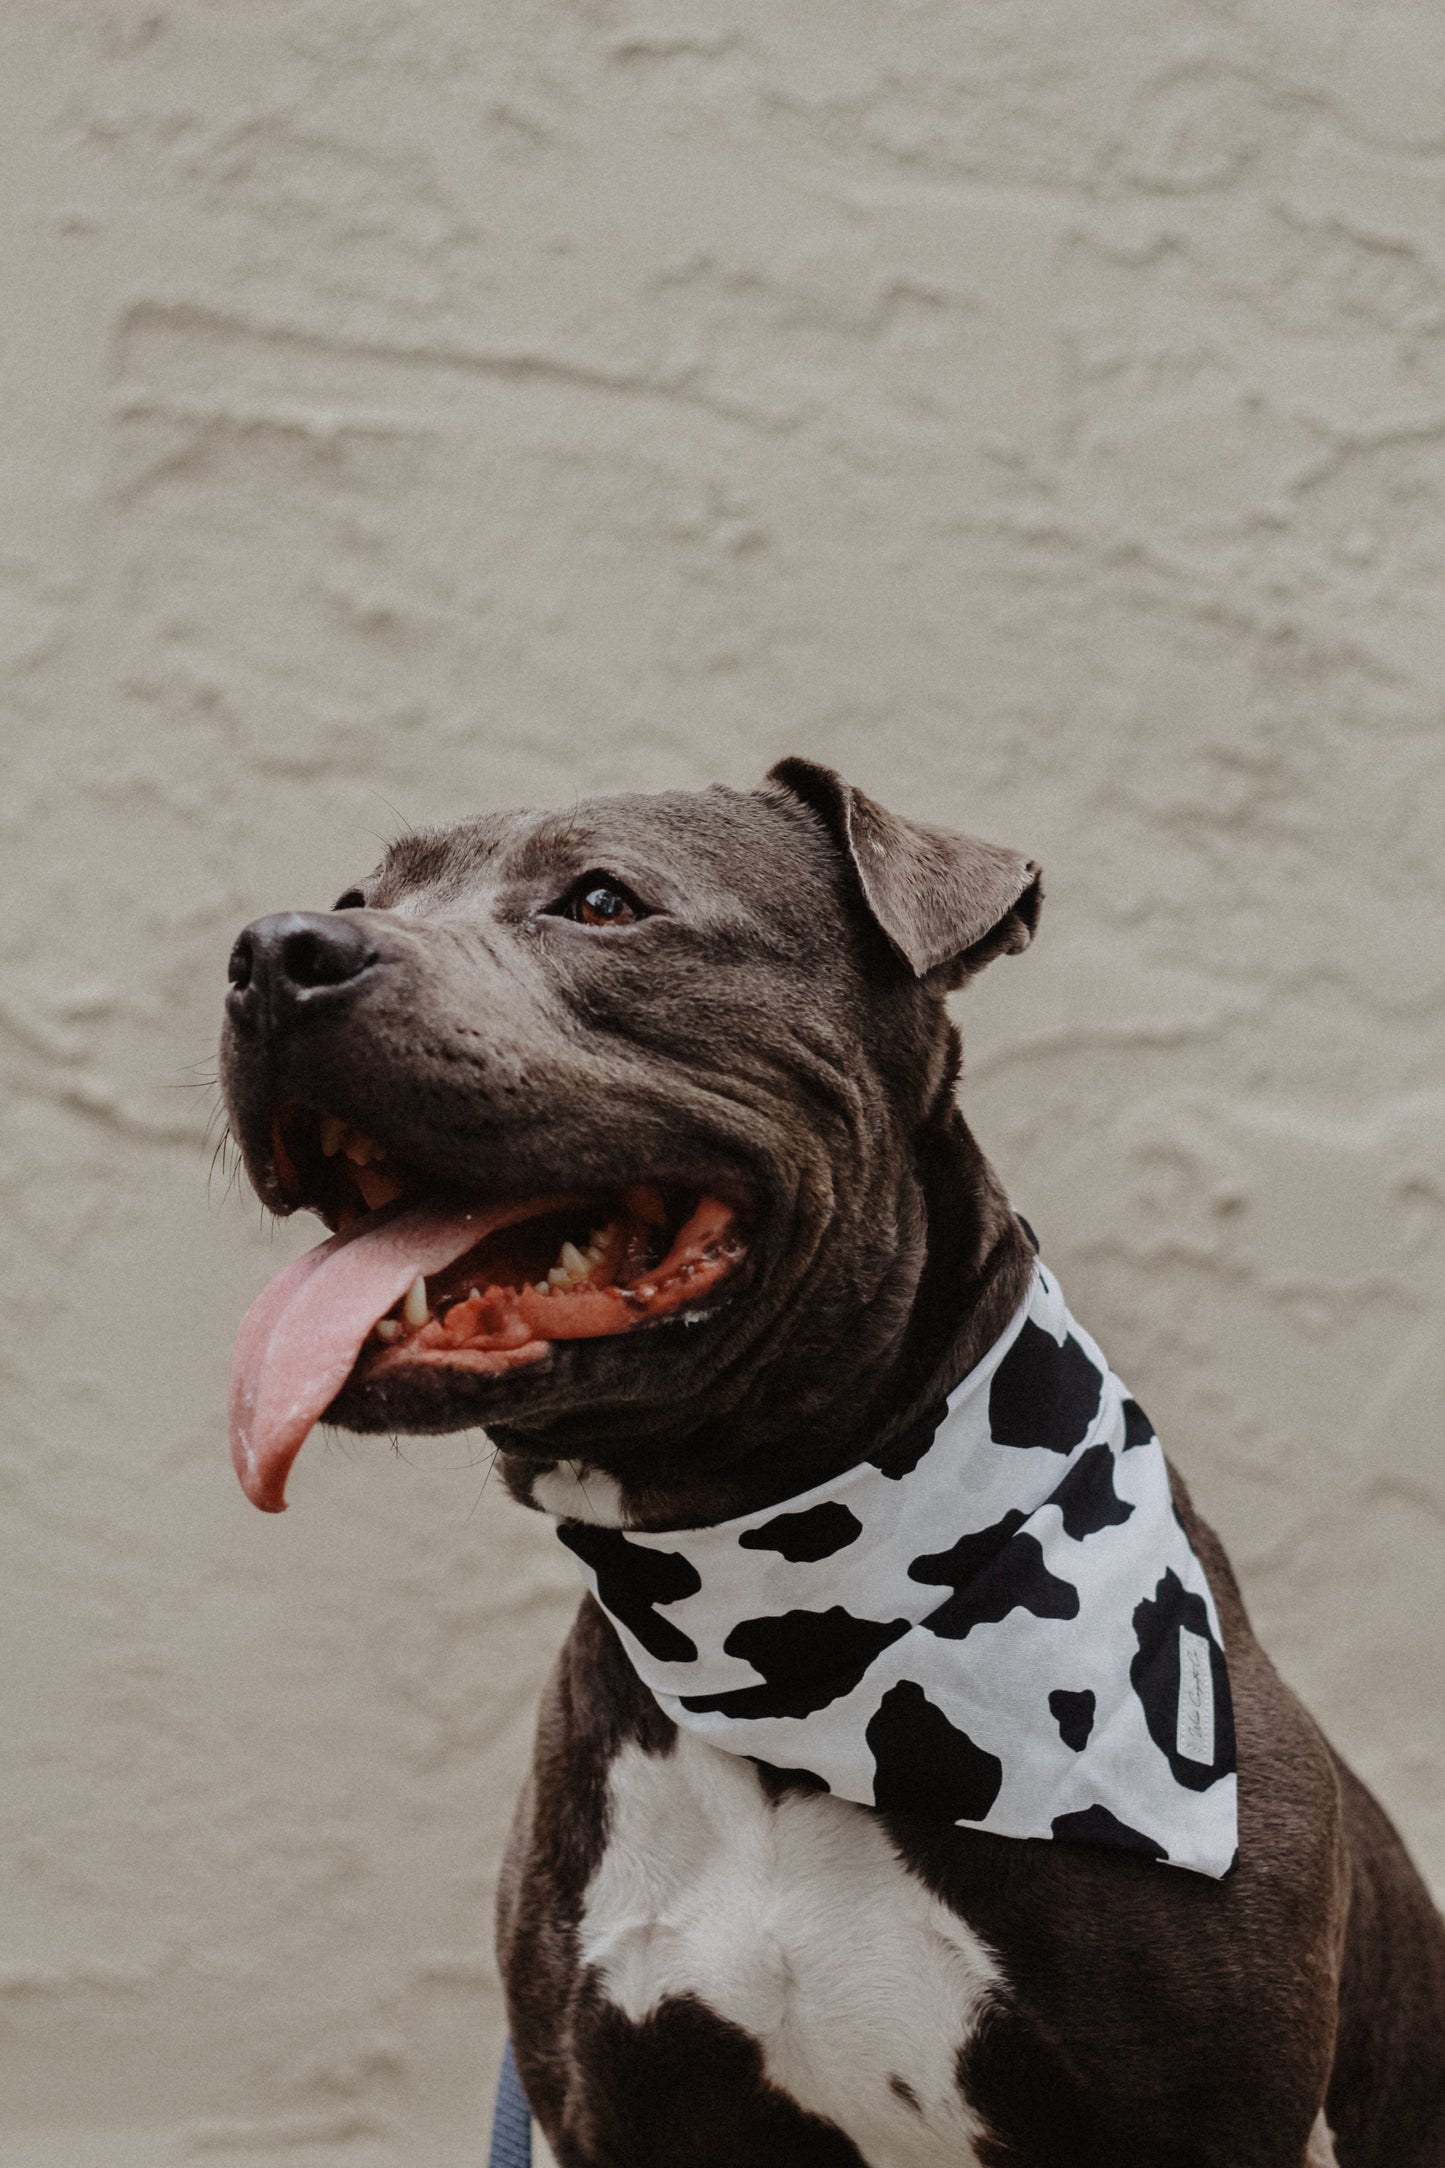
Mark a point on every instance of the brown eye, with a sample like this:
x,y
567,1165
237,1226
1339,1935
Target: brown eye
x,y
602,903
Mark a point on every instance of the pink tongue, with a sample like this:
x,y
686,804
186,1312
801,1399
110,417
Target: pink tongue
x,y
302,1334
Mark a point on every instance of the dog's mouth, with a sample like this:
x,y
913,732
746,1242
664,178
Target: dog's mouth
x,y
423,1277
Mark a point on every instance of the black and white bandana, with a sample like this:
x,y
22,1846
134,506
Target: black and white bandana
x,y
999,1619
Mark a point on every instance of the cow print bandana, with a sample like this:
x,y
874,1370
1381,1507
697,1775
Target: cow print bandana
x,y
998,1619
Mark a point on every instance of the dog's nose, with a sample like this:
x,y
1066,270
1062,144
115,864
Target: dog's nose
x,y
281,963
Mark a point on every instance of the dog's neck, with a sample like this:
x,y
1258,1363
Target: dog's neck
x,y
812,1411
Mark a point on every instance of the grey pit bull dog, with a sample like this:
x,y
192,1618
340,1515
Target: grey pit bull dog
x,y
636,1128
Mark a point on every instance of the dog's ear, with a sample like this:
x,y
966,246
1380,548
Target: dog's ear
x,y
948,903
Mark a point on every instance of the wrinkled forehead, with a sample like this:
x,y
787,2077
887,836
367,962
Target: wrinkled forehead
x,y
716,848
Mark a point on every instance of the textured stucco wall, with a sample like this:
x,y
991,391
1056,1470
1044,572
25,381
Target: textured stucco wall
x,y
1037,410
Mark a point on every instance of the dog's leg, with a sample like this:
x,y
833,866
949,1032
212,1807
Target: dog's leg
x,y
1321,2153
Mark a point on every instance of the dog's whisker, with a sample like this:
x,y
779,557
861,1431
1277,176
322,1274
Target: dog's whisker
x,y
486,1479
409,827
576,1467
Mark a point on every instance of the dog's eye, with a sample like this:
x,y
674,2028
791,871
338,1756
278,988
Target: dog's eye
x,y
598,900
350,900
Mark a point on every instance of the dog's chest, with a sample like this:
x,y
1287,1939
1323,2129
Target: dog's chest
x,y
795,1921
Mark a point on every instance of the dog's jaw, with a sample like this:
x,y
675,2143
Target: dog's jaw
x,y
358,1310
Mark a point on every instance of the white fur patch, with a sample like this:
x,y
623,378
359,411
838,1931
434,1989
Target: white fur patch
x,y
1322,2145
797,1922
572,1492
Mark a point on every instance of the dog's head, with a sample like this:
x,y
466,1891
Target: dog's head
x,y
616,1113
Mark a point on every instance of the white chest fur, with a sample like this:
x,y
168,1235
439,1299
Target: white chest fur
x,y
796,1921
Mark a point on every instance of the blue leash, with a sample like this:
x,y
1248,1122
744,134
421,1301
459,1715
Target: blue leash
x,y
511,2119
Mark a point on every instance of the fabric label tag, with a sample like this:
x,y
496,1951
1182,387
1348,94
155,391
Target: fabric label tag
x,y
1195,1736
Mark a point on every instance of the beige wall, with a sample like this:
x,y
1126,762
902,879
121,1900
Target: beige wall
x,y
1038,411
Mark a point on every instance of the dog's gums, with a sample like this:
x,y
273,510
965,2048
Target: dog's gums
x,y
413,1281
631,1273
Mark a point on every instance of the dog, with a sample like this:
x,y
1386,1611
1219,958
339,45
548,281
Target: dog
x,y
636,1129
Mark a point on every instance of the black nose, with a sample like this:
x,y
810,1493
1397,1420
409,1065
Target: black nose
x,y
281,963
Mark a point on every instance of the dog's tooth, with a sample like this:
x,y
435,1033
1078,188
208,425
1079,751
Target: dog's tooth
x,y
414,1309
360,1150
387,1328
472,1295
333,1131
378,1186
559,1276
542,1288
575,1263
